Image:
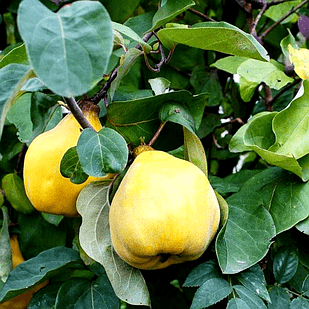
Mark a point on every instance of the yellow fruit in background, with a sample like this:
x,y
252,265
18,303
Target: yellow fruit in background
x,y
21,301
164,212
300,59
46,188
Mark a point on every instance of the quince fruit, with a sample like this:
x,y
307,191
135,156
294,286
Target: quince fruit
x,y
22,300
164,212
46,188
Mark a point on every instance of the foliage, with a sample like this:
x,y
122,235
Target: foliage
x,y
223,84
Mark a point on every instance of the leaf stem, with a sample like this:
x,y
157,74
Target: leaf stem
x,y
78,113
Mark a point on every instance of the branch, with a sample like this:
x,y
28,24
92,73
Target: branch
x,y
273,26
78,113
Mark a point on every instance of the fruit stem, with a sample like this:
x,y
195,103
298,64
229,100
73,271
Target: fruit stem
x,y
156,135
78,114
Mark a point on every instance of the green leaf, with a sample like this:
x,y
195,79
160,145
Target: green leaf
x,y
205,35
169,10
194,150
177,113
211,292
102,152
78,33
46,296
224,209
237,303
247,89
32,226
87,294
299,303
70,167
278,11
5,251
20,115
201,273
159,85
229,64
93,205
260,71
34,271
45,113
16,55
251,298
246,237
131,34
291,135
12,78
285,264
305,286
284,195
285,42
15,193
253,279
279,297
127,62
134,119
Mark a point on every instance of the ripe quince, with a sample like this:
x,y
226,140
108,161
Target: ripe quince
x,y
22,300
164,212
46,188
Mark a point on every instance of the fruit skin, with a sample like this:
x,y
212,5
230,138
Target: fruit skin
x,y
46,188
21,301
164,212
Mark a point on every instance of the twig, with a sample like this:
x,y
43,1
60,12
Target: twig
x,y
156,135
258,17
102,94
268,98
201,14
274,25
78,114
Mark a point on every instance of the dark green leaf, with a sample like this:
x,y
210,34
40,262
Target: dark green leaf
x,y
237,303
299,303
251,298
279,297
47,264
253,279
305,288
78,33
134,119
201,273
178,113
285,264
86,294
102,152
32,226
45,298
211,292
247,235
70,167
